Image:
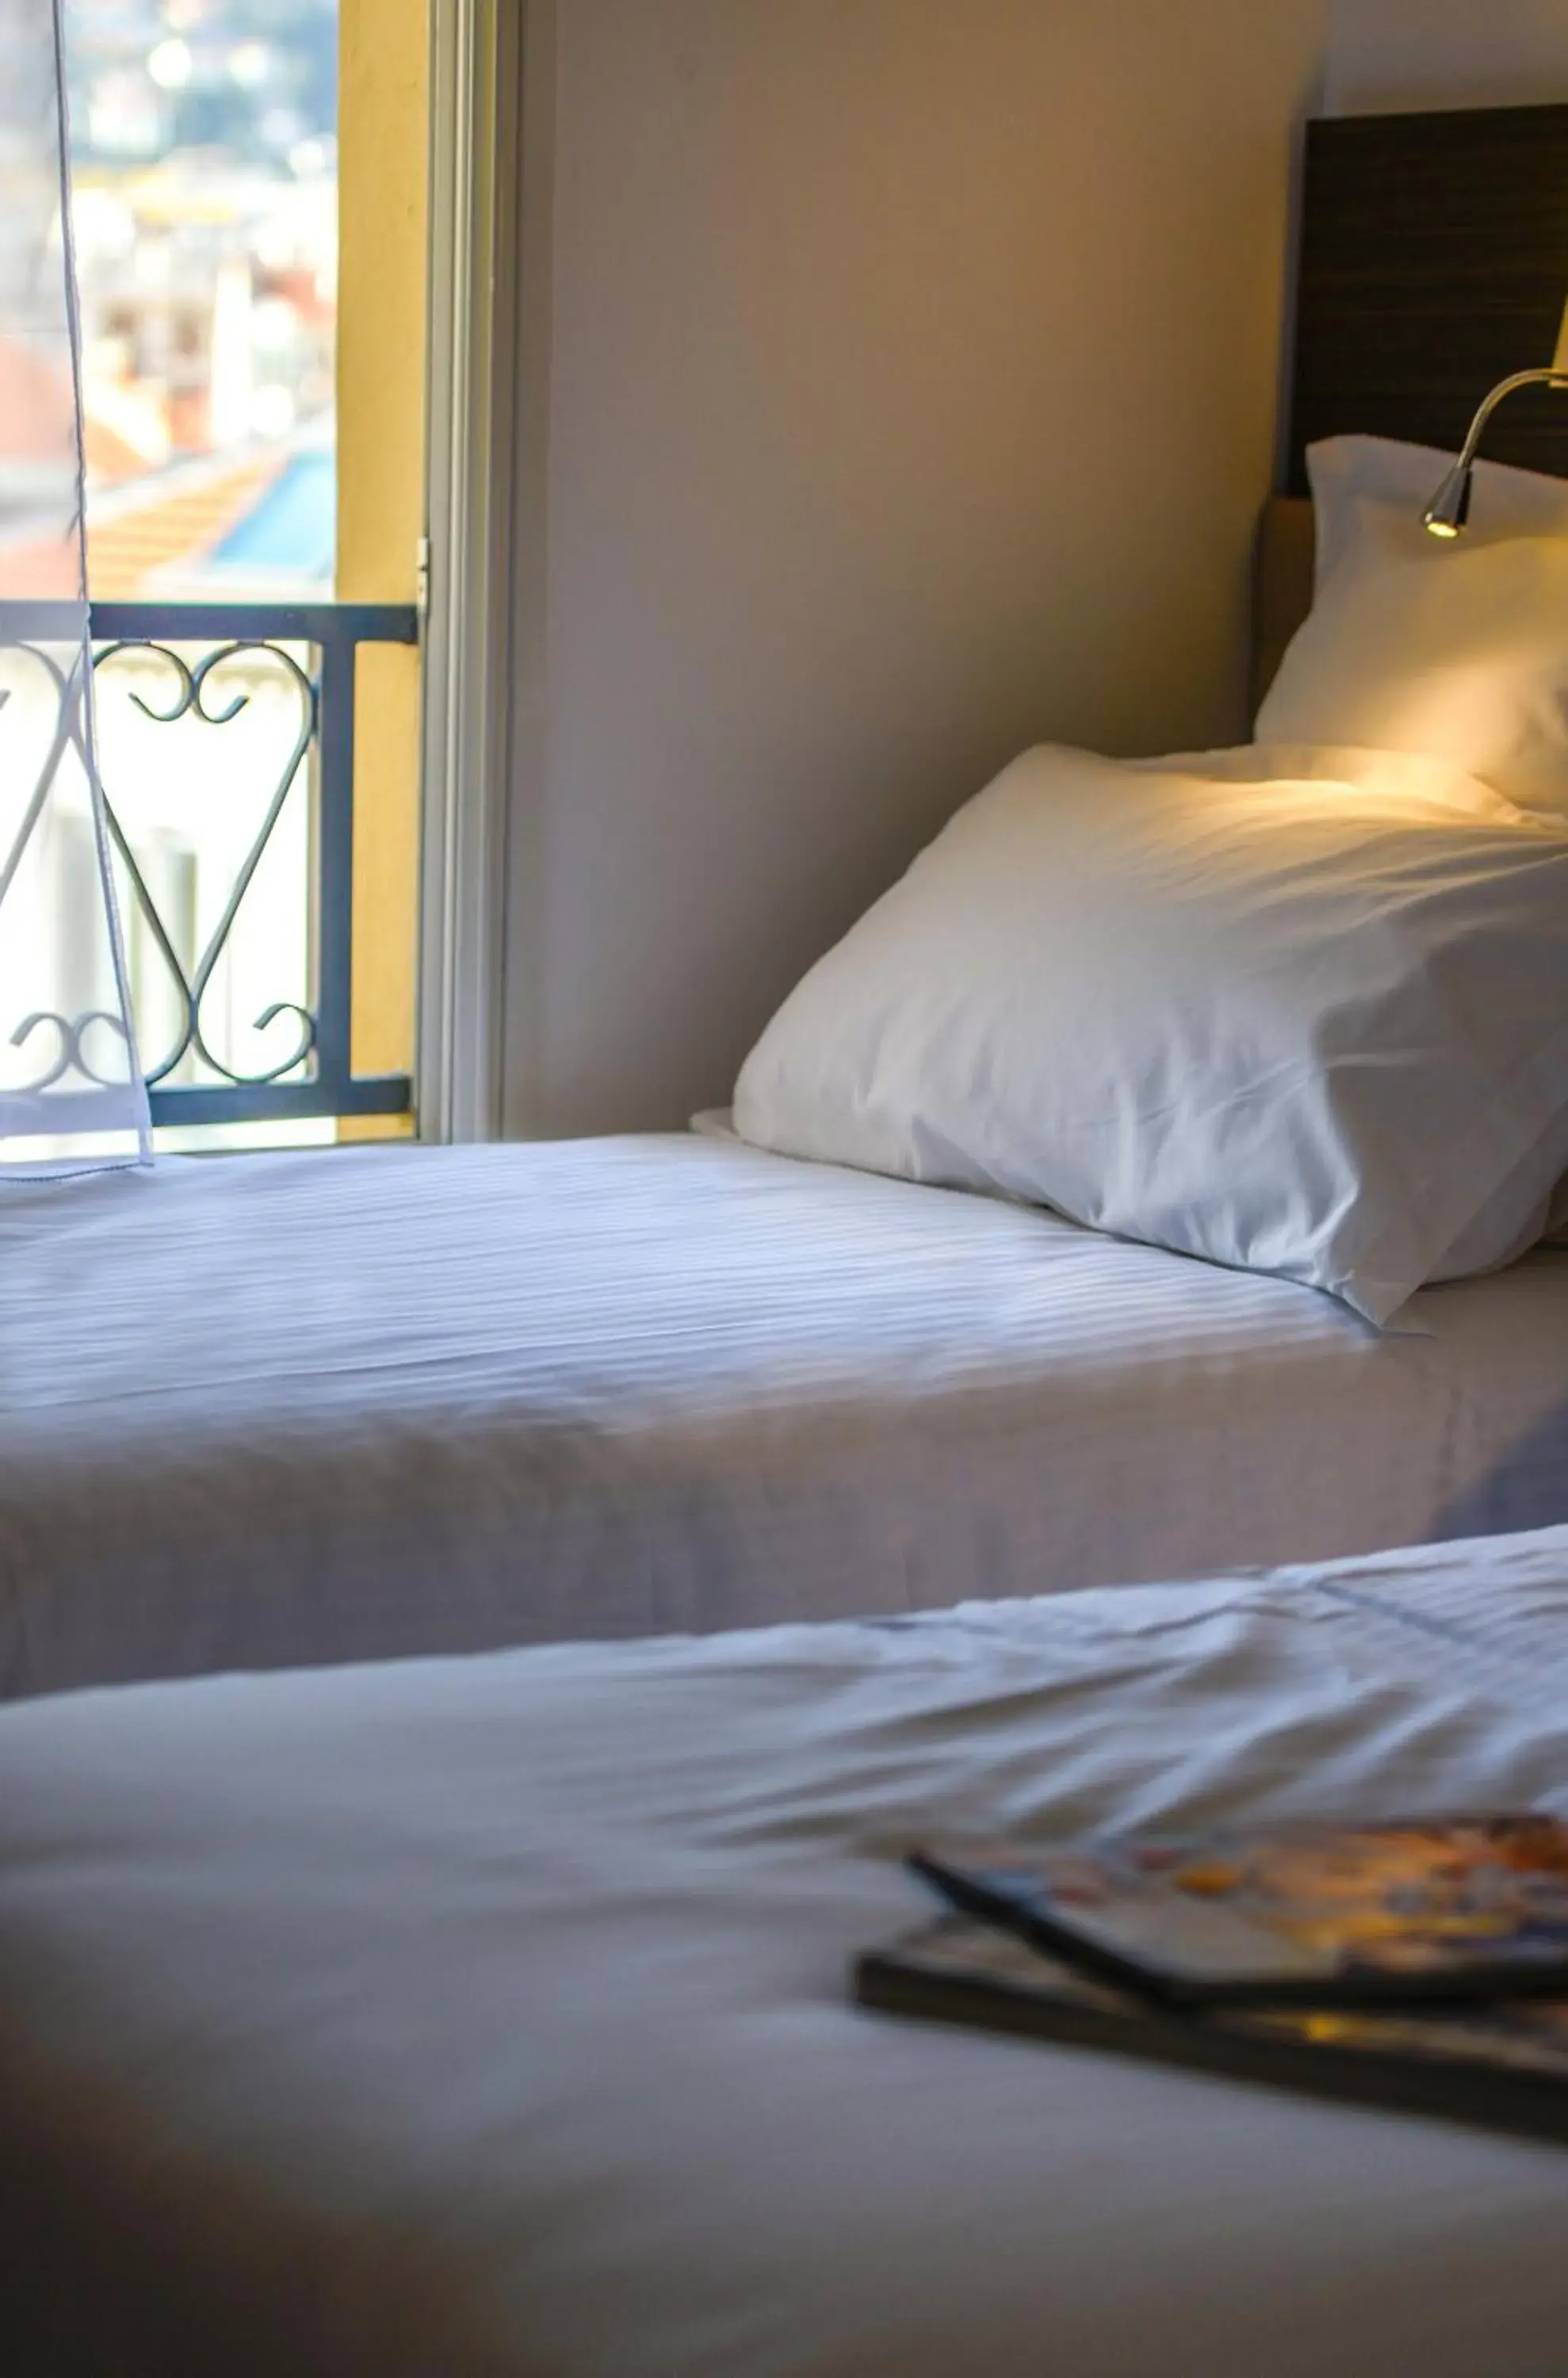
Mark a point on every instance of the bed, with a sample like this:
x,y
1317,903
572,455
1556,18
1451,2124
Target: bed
x,y
488,2014
620,1388
311,1409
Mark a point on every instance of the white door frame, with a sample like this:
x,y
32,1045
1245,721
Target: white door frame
x,y
475,119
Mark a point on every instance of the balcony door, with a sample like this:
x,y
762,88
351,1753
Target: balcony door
x,y
249,206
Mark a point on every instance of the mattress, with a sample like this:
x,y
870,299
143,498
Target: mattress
x,y
489,2015
295,1410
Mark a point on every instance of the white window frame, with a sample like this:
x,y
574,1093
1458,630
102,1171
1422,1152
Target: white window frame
x,y
476,128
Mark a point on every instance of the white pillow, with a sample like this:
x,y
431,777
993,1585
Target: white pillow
x,y
1456,647
1286,1021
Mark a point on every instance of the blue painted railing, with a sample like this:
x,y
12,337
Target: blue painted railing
x,y
315,1078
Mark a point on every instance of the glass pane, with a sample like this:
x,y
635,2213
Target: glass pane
x,y
204,158
69,1086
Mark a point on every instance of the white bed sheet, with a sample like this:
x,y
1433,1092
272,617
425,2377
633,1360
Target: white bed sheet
x,y
283,1411
487,2016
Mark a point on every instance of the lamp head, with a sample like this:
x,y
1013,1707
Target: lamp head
x,y
1449,510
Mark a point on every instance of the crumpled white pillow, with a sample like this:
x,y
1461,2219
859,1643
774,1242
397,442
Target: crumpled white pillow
x,y
1454,647
1298,1022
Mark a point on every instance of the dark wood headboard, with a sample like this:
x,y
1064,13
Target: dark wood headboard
x,y
1434,260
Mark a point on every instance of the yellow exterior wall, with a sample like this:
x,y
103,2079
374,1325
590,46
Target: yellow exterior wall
x,y
383,130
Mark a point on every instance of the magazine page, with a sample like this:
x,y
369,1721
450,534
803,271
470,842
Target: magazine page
x,y
1418,1902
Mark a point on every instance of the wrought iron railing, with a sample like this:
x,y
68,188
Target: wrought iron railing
x,y
204,663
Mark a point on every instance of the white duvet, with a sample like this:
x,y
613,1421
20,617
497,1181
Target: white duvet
x,y
291,1409
486,2018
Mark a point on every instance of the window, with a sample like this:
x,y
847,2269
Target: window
x,y
249,220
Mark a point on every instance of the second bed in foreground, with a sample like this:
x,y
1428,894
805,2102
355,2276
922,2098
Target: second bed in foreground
x,y
490,2015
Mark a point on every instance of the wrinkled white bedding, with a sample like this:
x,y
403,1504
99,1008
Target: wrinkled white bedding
x,y
487,2017
293,1410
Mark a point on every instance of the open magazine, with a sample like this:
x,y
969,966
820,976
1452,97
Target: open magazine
x,y
1320,1917
1503,2064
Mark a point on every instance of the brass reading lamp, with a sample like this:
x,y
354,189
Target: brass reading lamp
x,y
1449,510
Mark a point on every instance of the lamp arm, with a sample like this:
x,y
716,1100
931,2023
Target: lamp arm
x,y
1449,509
1544,376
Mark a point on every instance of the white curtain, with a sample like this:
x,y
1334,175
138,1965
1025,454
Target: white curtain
x,y
71,1094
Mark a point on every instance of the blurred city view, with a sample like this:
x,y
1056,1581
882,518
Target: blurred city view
x,y
204,162
203,151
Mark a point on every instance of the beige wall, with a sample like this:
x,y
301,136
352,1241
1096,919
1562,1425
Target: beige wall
x,y
1387,54
900,388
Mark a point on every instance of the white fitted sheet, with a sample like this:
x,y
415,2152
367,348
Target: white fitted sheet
x,y
283,1411
487,2015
